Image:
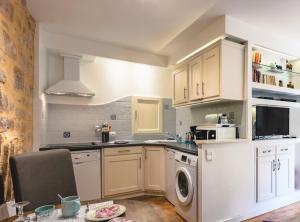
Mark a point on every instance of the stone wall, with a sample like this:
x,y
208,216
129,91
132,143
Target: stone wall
x,y
17,29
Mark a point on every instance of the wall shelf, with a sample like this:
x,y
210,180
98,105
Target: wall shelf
x,y
267,102
273,70
260,87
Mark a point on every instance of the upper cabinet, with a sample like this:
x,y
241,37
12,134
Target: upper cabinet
x,y
211,73
147,115
196,81
216,73
180,84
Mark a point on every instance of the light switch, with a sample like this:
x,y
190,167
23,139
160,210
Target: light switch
x,y
208,155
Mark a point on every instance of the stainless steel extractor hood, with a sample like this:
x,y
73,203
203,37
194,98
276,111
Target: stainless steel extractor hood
x,y
71,84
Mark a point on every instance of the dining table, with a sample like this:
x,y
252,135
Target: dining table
x,y
138,211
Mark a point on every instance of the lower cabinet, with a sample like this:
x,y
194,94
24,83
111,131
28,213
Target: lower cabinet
x,y
122,171
154,168
128,170
275,171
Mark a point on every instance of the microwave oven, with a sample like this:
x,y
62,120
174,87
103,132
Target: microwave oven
x,y
215,133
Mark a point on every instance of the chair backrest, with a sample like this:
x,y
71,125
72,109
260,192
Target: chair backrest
x,y
39,176
1,190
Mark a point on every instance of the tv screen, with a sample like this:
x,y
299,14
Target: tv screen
x,y
272,121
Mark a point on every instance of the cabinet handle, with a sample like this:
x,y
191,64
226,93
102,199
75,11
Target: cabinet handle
x,y
198,89
145,154
203,84
274,165
140,162
135,114
124,151
278,164
184,94
286,149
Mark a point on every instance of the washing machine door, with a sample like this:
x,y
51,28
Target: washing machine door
x,y
184,186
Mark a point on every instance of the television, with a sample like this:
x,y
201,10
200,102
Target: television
x,y
271,121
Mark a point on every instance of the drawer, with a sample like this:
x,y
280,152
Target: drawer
x,y
282,149
116,151
265,150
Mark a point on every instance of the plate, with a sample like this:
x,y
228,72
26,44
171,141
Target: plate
x,y
91,215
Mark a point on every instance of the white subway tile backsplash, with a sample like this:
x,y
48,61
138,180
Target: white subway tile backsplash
x,y
81,120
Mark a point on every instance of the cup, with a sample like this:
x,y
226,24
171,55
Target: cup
x,y
70,206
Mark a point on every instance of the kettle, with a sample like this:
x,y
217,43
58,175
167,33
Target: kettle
x,y
223,119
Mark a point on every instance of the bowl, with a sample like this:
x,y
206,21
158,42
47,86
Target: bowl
x,y
44,212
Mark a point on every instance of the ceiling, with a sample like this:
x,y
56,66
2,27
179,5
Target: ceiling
x,y
159,26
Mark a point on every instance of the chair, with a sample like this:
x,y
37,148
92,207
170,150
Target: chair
x,y
1,190
39,176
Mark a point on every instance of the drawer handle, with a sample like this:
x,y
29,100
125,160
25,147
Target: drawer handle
x,y
124,151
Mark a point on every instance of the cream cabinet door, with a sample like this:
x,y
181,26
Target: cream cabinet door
x,y
211,73
147,115
155,168
122,174
285,174
266,172
195,79
180,85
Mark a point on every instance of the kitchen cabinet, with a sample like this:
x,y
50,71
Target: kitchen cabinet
x,y
210,75
266,178
147,115
285,170
180,84
154,168
275,171
122,170
195,76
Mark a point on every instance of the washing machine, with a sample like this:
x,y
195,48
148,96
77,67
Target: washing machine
x,y
186,186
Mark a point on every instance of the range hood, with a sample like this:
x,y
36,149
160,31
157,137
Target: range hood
x,y
71,84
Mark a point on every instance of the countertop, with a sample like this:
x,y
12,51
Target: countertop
x,y
201,142
182,147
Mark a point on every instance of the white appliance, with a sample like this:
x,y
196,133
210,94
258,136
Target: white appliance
x,y
71,84
186,186
170,176
87,170
215,132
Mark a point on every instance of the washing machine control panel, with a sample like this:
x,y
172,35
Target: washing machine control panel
x,y
187,159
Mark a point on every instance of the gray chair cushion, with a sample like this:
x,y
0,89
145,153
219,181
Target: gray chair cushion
x,y
39,176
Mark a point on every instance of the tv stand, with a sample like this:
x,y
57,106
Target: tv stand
x,y
274,137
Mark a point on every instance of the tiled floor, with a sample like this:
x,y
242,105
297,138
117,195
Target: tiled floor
x,y
290,213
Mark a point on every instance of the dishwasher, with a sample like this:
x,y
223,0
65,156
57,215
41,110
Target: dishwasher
x,y
87,170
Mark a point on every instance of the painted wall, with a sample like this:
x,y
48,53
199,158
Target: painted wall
x,y
16,82
112,79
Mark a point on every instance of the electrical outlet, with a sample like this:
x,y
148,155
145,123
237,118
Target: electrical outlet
x,y
66,134
113,117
